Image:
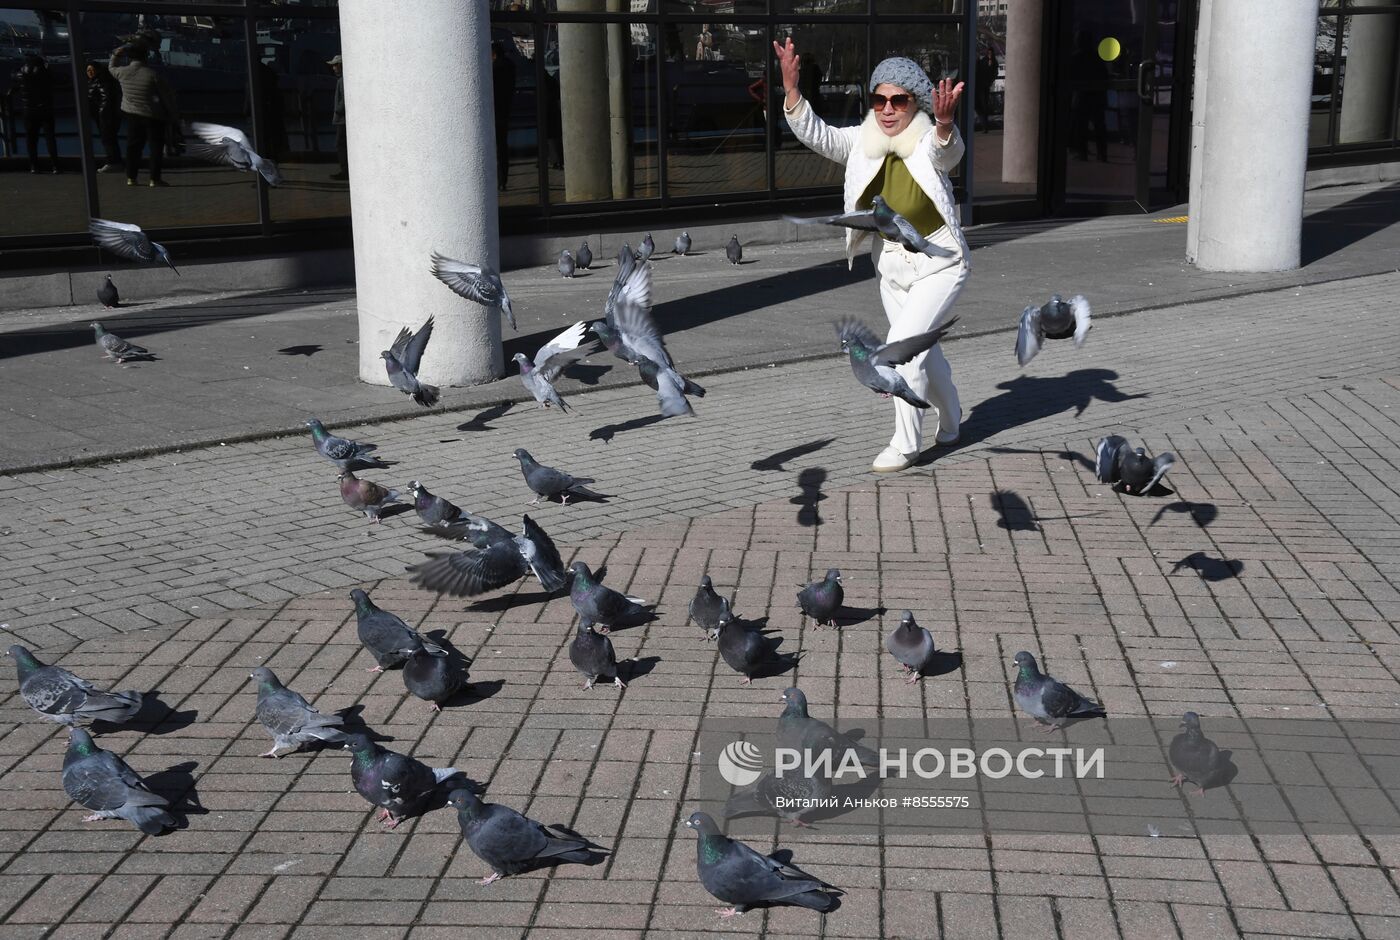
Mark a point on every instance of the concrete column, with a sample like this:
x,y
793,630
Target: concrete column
x,y
1021,92
1198,125
619,102
1369,81
1256,141
583,85
411,189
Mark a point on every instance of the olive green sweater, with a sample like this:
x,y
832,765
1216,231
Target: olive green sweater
x,y
894,183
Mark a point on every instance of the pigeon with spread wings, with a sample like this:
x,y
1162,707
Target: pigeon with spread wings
x,y
475,282
231,147
402,360
538,376
874,362
466,574
128,241
883,220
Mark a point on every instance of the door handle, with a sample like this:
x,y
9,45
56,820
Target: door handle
x,y
1147,70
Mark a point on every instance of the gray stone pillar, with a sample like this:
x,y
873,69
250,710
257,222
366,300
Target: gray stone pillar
x,y
411,189
1021,93
1370,76
619,102
583,87
1198,126
1256,141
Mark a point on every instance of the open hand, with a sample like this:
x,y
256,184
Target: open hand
x,y
945,99
788,62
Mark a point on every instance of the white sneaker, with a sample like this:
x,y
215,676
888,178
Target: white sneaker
x,y
890,460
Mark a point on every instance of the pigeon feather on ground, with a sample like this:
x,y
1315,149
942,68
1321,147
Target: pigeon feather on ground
x,y
912,646
229,146
116,348
741,877
389,640
398,784
59,695
800,731
340,451
365,495
706,608
1128,467
434,675
1057,319
475,282
402,361
873,362
820,600
1196,758
128,241
290,718
593,656
553,357
882,219
101,781
1046,699
107,294
596,603
545,482
498,563
510,842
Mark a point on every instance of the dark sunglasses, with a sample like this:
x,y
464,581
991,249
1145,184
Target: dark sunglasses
x,y
900,102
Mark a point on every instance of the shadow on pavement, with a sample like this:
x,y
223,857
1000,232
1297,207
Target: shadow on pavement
x,y
1328,231
1027,399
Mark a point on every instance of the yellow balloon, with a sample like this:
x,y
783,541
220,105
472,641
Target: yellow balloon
x,y
1109,49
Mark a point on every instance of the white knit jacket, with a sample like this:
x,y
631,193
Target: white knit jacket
x,y
862,149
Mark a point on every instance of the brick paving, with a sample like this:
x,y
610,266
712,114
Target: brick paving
x,y
181,572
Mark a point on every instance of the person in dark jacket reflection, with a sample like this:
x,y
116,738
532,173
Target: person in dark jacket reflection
x,y
105,102
34,87
503,88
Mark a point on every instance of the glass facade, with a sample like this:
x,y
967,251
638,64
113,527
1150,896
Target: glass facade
x,y
1356,80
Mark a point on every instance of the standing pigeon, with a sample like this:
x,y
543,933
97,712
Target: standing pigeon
x,y
646,248
538,377
683,243
107,293
599,604
881,218
365,495
1130,468
820,600
387,637
399,785
1196,758
706,607
734,251
402,360
128,241
474,282
743,648
1055,320
117,348
292,721
466,574
102,782
912,646
790,797
566,263
547,481
1046,699
434,676
509,842
584,256
231,147
340,451
593,656
58,695
740,876
433,510
799,731
874,362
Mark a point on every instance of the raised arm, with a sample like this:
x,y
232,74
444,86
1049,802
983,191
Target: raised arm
x,y
948,147
831,142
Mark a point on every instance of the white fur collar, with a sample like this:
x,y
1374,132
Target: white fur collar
x,y
876,143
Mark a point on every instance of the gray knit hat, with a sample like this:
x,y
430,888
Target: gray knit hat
x,y
897,70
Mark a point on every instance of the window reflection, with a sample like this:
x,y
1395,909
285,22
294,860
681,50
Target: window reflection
x,y
832,78
1366,83
517,116
1324,83
717,107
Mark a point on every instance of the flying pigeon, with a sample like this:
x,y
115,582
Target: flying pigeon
x,y
469,527
386,636
116,348
800,731
340,451
231,147
538,377
291,720
912,646
873,362
584,256
632,322
465,574
734,251
399,785
1195,757
128,241
741,877
646,248
631,284
547,481
820,600
599,604
683,243
884,220
511,843
743,648
58,695
566,263
365,495
474,282
433,510
790,797
1130,468
107,293
434,676
1055,320
102,782
593,656
402,360
706,607
1046,699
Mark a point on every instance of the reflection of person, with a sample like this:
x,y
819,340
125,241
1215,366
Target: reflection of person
x,y
1089,101
34,84
272,113
105,101
900,154
986,75
342,144
705,44
503,92
148,102
554,113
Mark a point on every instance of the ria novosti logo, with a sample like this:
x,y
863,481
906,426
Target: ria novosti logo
x,y
740,763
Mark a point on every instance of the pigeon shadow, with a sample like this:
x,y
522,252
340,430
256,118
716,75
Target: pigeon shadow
x,y
636,620
176,784
1203,514
369,463
589,497
474,692
1015,512
637,667
154,717
776,460
308,350
397,509
586,374
352,722
1026,399
480,421
608,431
1210,569
496,605
810,481
437,799
854,616
941,663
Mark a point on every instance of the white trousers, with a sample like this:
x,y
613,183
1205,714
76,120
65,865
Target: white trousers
x,y
918,293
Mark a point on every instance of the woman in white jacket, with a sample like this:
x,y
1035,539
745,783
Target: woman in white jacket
x,y
903,155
